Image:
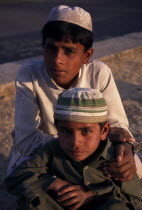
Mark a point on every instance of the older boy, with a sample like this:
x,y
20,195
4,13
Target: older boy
x,y
67,47
76,158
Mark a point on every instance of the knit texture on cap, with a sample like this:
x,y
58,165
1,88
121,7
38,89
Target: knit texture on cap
x,y
75,15
81,105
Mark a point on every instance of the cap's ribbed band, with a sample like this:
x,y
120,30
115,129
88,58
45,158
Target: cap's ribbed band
x,y
81,119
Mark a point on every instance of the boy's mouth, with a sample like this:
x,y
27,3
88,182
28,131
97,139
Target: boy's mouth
x,y
76,152
57,70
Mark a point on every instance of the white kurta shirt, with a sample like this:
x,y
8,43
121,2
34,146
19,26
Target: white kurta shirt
x,y
36,96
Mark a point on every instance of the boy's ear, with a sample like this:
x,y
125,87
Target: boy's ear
x,y
88,55
104,131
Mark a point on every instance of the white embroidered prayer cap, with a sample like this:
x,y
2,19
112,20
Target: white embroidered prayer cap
x,y
83,105
75,15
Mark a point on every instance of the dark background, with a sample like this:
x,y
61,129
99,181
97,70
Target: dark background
x,y
21,22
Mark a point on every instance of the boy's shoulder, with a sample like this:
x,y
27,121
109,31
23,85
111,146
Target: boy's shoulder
x,y
96,63
31,67
52,144
52,147
95,66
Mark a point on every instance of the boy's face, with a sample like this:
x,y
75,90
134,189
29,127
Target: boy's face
x,y
64,60
80,140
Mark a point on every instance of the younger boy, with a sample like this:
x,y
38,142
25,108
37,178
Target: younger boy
x,y
76,157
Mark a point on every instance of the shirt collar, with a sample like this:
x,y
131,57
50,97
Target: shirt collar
x,y
104,151
107,152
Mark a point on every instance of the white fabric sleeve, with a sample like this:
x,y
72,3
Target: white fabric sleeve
x,y
116,113
28,136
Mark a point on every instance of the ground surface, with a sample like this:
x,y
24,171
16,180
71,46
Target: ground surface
x,y
127,70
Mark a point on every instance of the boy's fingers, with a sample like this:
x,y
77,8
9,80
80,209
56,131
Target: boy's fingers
x,y
125,176
69,202
119,135
123,170
66,196
119,151
113,167
66,188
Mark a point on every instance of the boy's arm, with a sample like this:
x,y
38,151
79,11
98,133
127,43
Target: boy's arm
x,y
31,178
116,113
75,196
27,135
119,126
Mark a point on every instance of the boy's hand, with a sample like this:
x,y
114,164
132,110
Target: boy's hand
x,y
124,167
74,196
57,185
119,135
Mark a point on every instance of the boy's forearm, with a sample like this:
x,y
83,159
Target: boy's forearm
x,y
28,146
27,135
29,174
28,186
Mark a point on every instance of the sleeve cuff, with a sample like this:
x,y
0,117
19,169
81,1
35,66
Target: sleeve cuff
x,y
46,180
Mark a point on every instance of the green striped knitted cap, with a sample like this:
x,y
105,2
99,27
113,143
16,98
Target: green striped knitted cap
x,y
84,105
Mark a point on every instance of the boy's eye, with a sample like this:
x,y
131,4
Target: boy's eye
x,y
65,131
68,51
50,47
86,131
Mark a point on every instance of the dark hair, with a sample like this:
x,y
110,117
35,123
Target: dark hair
x,y
64,31
101,124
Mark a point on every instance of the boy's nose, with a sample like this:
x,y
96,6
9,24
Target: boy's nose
x,y
59,57
76,140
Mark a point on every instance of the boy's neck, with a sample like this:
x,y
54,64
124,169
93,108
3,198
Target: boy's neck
x,y
95,155
67,86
